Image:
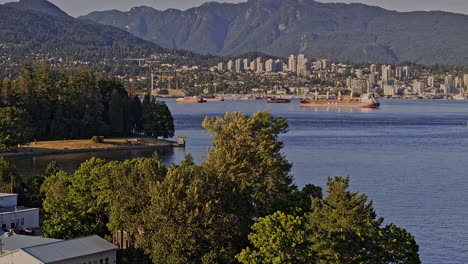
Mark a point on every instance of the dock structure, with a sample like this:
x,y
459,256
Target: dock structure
x,y
181,141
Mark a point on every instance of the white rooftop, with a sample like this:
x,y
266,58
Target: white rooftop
x,y
8,194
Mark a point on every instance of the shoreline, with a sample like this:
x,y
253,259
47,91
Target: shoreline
x,y
166,144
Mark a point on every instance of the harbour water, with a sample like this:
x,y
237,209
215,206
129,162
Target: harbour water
x,y
409,156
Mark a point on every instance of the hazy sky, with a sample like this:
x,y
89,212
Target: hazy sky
x,y
82,7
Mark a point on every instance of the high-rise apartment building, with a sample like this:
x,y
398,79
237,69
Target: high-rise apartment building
x,y
431,81
292,64
260,65
246,64
239,65
270,66
386,73
230,65
450,80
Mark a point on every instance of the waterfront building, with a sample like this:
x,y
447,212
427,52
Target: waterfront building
x,y
359,86
419,87
450,80
373,68
16,217
458,82
431,81
465,81
389,90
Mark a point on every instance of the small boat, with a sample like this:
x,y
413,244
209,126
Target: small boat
x,y
191,100
365,101
274,100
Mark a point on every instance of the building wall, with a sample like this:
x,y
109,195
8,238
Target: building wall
x,y
8,201
92,259
19,257
22,219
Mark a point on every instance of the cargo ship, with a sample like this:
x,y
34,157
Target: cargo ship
x,y
365,101
213,99
274,100
191,100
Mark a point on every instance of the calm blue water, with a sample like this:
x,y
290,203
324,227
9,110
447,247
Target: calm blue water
x,y
410,157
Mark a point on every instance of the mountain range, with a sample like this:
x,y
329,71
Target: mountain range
x,y
346,32
31,27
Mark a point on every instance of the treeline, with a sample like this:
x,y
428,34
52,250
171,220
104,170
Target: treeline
x,y
238,206
82,104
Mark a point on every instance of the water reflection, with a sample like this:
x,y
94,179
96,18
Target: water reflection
x,y
30,166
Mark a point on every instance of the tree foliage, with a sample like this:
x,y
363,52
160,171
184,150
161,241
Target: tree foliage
x,y
79,104
15,128
341,228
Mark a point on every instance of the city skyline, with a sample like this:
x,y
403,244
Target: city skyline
x,y
83,7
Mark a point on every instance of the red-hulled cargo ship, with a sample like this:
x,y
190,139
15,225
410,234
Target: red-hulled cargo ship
x,y
365,101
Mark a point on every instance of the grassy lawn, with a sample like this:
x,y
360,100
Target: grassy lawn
x,y
88,144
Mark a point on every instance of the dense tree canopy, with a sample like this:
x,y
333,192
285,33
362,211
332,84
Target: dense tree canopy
x,y
341,228
15,128
79,104
207,213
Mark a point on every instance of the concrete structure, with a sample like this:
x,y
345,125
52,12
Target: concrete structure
x,y
246,64
239,65
389,90
373,68
230,65
431,81
465,81
14,216
292,65
91,249
386,74
221,66
450,80
419,87
270,66
260,66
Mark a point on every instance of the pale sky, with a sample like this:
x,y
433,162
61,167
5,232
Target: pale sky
x,y
83,7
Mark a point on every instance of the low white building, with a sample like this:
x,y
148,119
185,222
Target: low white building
x,y
14,216
88,250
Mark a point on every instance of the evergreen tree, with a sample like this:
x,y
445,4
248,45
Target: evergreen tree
x,y
15,129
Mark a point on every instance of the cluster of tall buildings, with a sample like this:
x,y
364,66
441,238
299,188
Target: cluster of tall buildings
x,y
295,64
257,65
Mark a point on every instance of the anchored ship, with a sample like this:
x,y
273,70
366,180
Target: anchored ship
x,y
192,100
274,100
365,101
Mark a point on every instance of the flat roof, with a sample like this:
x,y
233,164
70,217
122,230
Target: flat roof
x,y
7,194
69,249
15,209
14,242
